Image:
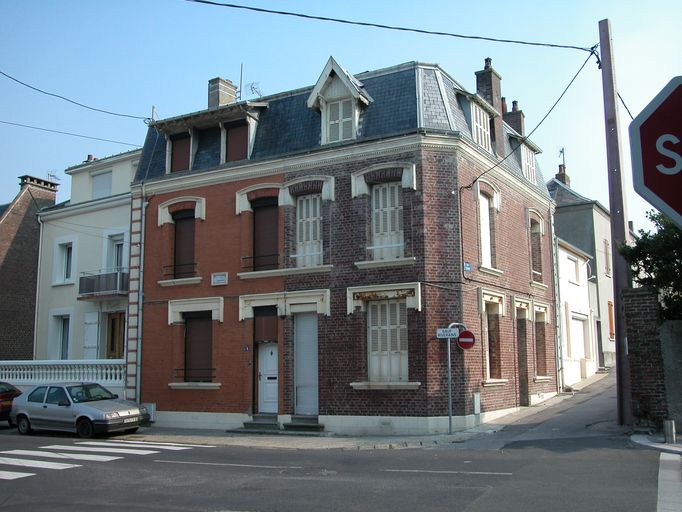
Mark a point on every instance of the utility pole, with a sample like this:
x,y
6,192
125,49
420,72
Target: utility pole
x,y
619,228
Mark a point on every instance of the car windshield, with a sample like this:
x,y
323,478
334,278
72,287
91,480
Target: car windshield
x,y
89,393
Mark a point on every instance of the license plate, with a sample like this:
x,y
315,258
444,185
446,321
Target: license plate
x,y
129,420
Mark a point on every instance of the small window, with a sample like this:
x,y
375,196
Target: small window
x,y
387,340
198,347
612,324
493,342
340,120
64,328
265,234
67,261
573,269
237,143
101,185
387,221
607,257
115,256
481,127
540,344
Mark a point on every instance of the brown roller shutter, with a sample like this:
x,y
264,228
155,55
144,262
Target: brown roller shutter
x,y
198,346
237,143
180,152
183,263
265,234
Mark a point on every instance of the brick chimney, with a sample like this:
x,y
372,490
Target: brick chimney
x,y
26,181
488,86
221,92
562,176
514,118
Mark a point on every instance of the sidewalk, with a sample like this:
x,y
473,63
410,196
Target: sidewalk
x,y
330,441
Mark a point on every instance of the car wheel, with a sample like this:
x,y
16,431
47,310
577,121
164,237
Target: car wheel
x,y
85,428
24,426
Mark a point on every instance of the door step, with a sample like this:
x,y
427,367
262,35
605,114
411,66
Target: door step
x,y
262,422
300,423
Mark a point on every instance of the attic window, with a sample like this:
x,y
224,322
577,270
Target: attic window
x,y
340,120
480,127
528,162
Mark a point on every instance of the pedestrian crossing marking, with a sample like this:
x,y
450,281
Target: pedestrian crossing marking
x,y
124,445
36,463
163,443
13,475
98,449
62,455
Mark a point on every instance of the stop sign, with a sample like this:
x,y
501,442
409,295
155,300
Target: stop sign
x,y
656,150
466,339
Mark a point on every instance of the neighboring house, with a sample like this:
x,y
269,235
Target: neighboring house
x,y
586,224
302,249
83,278
19,241
578,347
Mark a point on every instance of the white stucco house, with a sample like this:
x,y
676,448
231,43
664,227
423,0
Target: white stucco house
x,y
83,275
579,356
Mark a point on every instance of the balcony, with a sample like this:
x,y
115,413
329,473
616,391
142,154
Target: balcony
x,y
103,283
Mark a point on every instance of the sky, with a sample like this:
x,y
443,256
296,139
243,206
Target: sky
x,y
126,56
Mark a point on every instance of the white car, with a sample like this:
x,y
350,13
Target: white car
x,y
84,408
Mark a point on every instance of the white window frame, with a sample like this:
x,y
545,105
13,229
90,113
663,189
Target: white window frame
x,y
485,203
387,221
574,268
387,340
607,257
101,184
342,121
308,230
480,127
64,261
528,162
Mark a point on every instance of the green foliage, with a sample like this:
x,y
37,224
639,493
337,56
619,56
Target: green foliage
x,y
656,261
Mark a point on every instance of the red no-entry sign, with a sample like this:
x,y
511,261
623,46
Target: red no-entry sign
x,y
466,339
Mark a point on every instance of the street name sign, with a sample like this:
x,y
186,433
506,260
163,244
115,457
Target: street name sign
x,y
447,333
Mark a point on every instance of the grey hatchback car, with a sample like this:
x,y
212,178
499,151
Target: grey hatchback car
x,y
84,408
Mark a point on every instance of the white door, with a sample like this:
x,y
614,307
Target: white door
x,y
305,363
267,377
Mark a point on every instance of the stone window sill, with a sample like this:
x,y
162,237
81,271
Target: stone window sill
x,y
541,286
491,271
64,283
285,272
491,383
179,282
385,385
542,378
203,386
396,262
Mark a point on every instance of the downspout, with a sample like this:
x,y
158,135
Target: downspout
x,y
140,296
557,308
38,274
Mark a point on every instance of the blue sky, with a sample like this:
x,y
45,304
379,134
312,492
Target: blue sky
x,y
127,55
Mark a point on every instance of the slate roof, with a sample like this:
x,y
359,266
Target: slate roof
x,y
564,195
4,207
407,98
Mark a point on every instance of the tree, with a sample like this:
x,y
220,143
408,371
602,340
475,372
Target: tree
x,y
656,261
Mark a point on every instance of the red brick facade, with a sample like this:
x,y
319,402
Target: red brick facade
x,y
19,243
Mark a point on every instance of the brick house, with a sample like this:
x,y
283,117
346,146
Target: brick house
x,y
19,243
293,256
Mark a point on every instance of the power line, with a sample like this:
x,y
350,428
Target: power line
x,y
68,133
626,107
71,101
388,27
526,137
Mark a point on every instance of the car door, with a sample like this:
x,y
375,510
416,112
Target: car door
x,y
58,410
34,406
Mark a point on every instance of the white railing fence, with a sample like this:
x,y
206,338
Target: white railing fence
x,y
110,373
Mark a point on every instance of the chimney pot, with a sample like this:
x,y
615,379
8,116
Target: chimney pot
x,y
515,106
562,176
221,92
488,63
504,105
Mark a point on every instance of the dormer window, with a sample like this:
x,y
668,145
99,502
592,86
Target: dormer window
x,y
338,96
528,163
340,120
480,127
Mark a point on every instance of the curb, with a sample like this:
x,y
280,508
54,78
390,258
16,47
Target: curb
x,y
656,444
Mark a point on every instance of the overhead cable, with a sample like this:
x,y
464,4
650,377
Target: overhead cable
x,y
69,133
388,27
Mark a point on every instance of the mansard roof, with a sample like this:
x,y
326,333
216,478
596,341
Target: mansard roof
x,y
408,98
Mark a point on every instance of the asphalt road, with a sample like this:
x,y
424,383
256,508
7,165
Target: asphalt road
x,y
567,457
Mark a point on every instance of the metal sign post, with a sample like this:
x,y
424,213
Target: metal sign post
x,y
452,331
